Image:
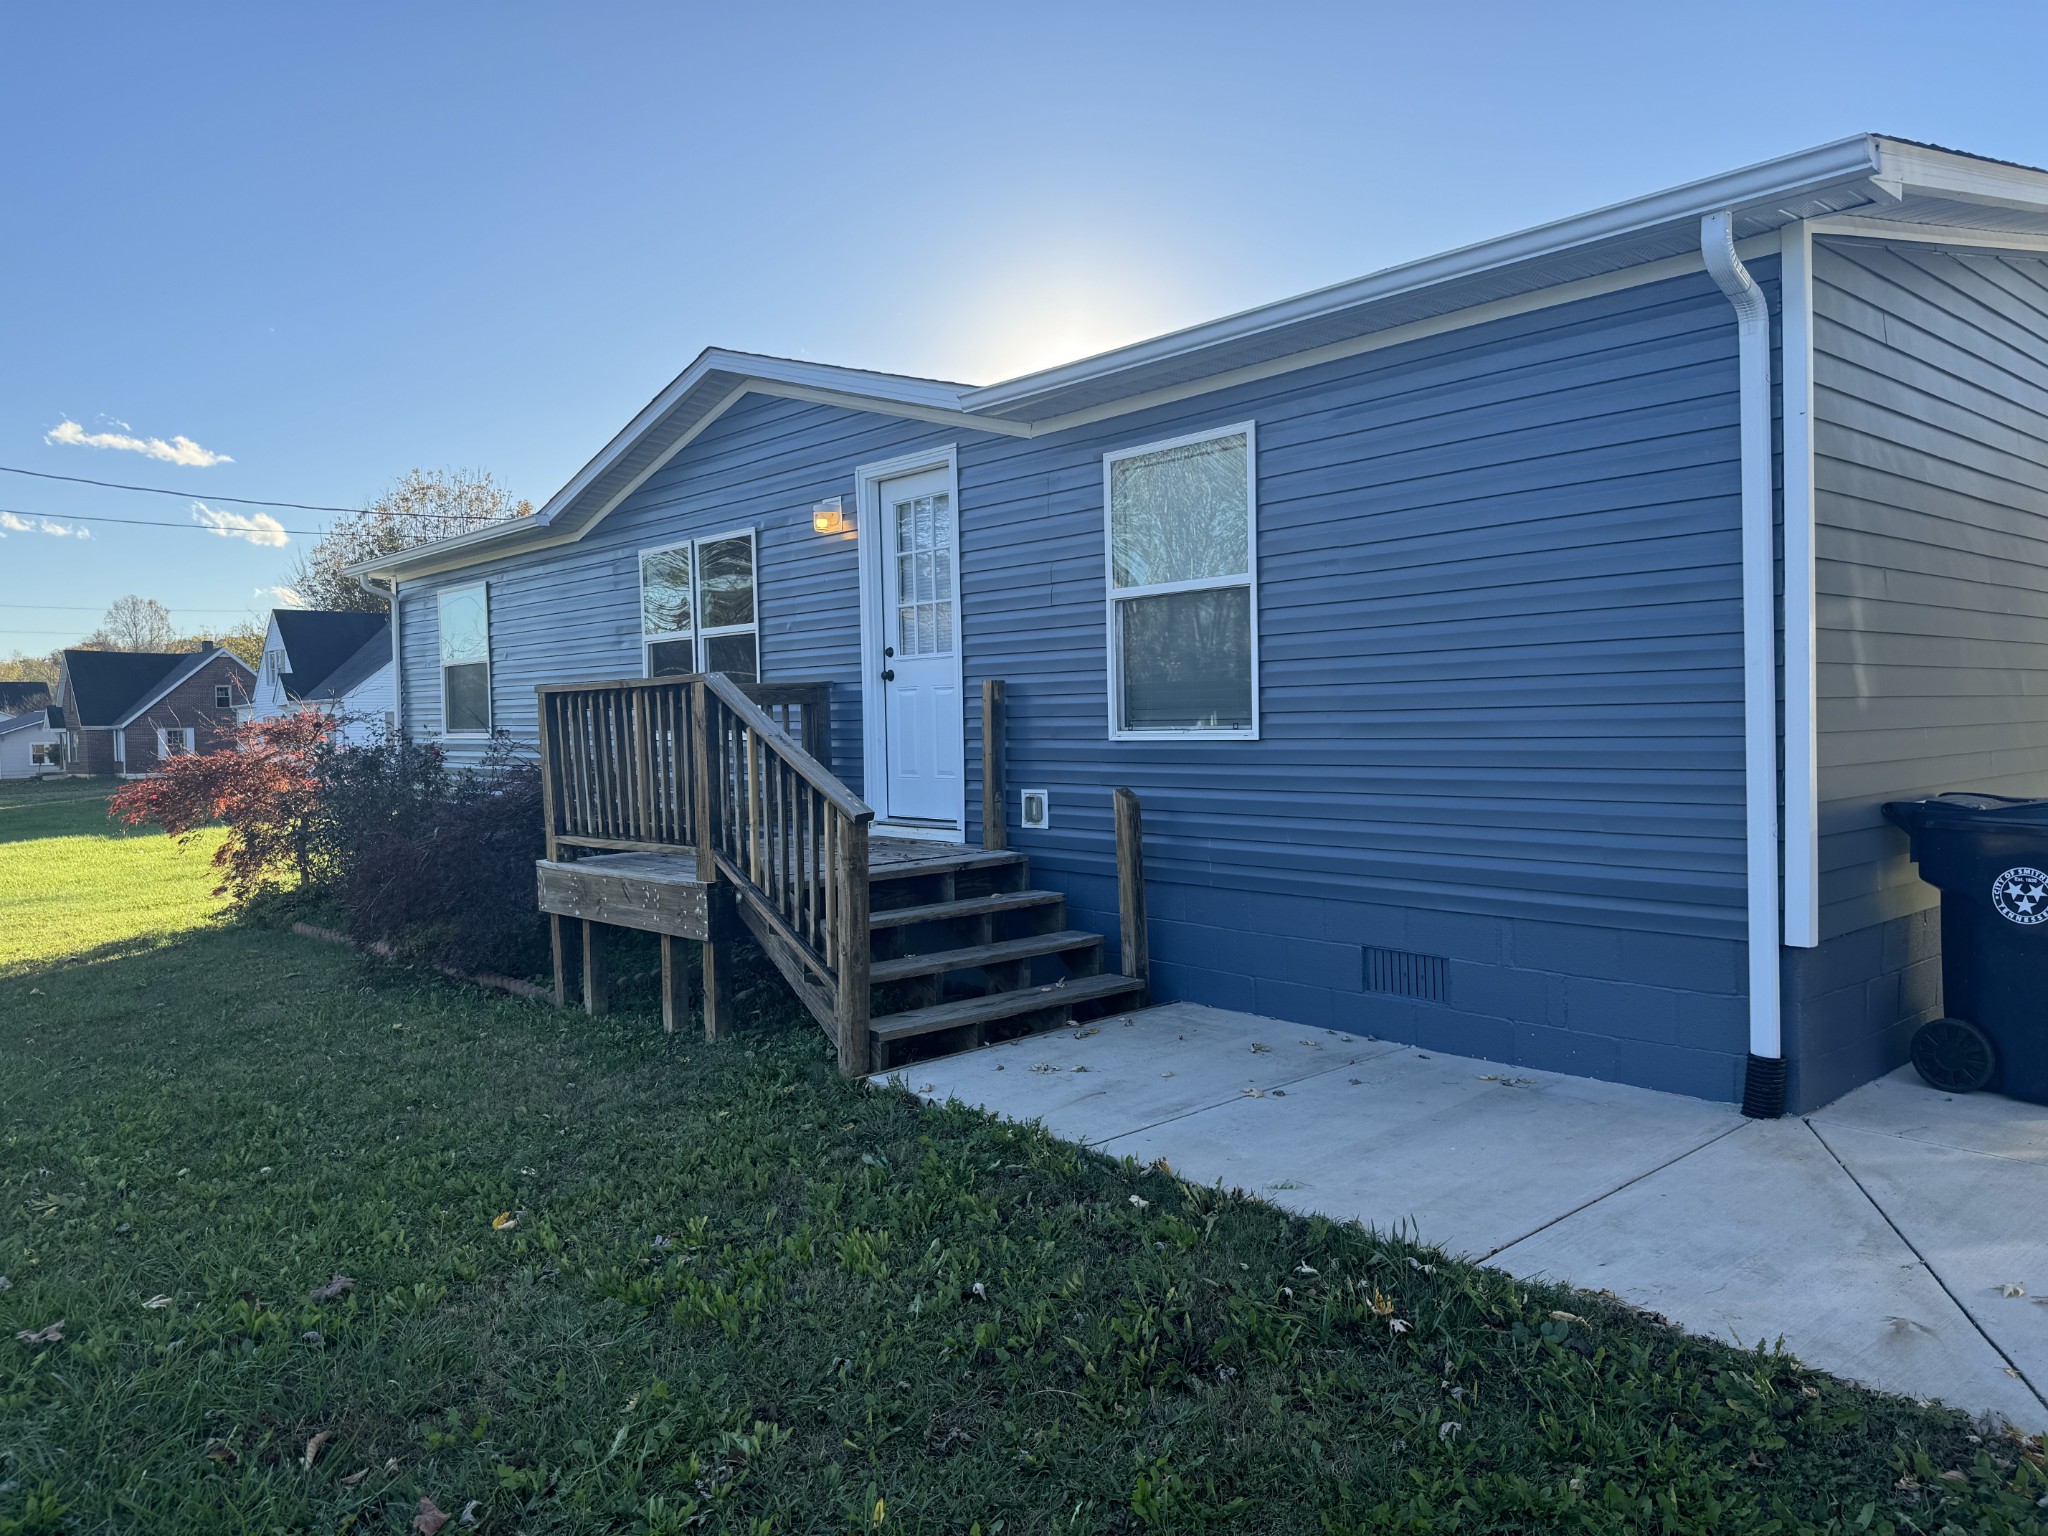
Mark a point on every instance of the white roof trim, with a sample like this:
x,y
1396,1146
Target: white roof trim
x,y
175,676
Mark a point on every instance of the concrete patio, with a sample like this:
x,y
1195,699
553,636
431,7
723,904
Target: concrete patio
x,y
1881,1237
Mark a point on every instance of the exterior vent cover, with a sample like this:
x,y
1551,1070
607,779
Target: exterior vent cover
x,y
1400,973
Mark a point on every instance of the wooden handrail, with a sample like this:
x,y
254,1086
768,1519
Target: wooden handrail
x,y
815,773
700,762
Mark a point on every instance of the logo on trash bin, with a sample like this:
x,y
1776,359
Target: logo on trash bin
x,y
2021,896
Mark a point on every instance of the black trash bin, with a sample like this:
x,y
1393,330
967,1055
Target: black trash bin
x,y
1988,856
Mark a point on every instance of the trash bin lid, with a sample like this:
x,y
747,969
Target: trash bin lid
x,y
1964,808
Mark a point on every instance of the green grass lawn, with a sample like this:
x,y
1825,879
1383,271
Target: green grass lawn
x,y
601,1279
72,881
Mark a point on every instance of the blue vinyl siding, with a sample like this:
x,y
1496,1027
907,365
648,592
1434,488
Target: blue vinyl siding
x,y
1931,375
1499,598
573,612
1499,586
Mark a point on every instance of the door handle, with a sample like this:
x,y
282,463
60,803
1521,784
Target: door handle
x,y
889,675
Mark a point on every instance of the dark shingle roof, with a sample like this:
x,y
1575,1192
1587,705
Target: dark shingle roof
x,y
319,644
33,720
374,652
105,685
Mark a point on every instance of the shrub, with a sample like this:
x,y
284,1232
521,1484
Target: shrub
x,y
263,786
450,879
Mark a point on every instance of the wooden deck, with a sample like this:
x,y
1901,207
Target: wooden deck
x,y
661,892
699,809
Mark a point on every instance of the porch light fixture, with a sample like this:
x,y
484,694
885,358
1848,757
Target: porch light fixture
x,y
830,517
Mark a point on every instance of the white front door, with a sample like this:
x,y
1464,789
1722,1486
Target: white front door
x,y
921,783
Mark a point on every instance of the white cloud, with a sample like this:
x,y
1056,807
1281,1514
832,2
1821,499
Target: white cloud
x,y
257,528
179,450
282,597
11,522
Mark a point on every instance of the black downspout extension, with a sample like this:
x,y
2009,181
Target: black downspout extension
x,y
1763,1088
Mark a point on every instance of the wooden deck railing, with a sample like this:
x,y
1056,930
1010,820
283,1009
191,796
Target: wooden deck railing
x,y
616,765
735,774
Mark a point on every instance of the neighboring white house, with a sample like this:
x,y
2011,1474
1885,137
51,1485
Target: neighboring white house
x,y
31,745
336,662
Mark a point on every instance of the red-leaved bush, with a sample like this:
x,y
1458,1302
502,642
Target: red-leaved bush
x,y
262,786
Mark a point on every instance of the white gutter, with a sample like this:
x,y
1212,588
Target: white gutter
x,y
1802,681
1763,1093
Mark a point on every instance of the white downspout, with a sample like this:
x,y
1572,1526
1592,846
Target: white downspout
x,y
390,594
1763,1093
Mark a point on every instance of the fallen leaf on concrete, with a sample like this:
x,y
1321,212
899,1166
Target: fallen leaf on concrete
x,y
1260,1048
313,1449
1255,1093
331,1289
2011,1288
429,1519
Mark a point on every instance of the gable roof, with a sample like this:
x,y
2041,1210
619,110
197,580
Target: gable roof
x,y
320,642
370,658
193,662
102,686
1878,181
32,720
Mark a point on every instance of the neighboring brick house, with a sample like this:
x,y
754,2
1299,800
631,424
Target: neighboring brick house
x,y
124,711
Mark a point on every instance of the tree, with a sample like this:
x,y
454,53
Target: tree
x,y
423,506
133,624
243,640
262,786
24,668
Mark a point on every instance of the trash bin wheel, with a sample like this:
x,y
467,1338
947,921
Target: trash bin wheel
x,y
1953,1055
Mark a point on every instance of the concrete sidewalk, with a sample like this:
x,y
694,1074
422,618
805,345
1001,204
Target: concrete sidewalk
x,y
1880,1237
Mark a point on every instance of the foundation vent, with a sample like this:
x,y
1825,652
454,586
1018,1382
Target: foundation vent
x,y
1401,973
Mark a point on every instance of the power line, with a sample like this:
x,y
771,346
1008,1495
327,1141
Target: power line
x,y
149,522
159,490
240,501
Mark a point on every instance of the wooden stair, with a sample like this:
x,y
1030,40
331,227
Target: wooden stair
x,y
963,951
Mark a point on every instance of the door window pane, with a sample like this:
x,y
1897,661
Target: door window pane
x,y
665,592
1187,660
1180,514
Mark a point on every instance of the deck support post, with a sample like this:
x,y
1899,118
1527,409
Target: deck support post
x,y
675,982
722,925
1135,943
995,794
558,956
850,1003
597,987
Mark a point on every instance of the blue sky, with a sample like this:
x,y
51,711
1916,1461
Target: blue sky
x,y
333,242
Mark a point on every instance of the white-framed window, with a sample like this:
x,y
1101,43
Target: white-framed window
x,y
45,754
465,614
697,607
173,741
223,696
273,665
1180,525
